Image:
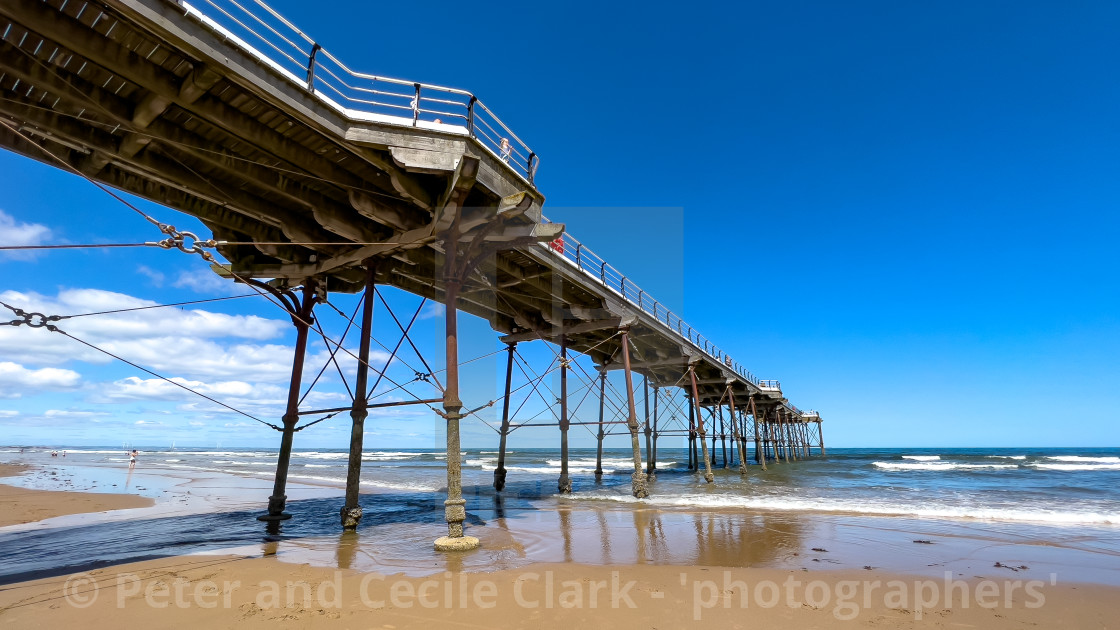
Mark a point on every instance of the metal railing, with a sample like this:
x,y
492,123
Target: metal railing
x,y
266,35
769,384
592,265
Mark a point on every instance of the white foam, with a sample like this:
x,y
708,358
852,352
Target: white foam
x,y
1077,466
1078,458
922,458
938,465
882,509
1018,457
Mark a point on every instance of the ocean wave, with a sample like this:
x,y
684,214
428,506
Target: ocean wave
x,y
1075,467
922,458
789,504
939,465
1079,458
1017,457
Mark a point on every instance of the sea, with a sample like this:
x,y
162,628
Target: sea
x,y
1074,486
874,502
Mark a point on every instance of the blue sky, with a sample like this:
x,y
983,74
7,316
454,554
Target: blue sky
x,y
906,212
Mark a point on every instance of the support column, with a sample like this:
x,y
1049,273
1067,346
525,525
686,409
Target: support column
x,y
638,477
653,453
649,430
708,476
599,440
500,471
722,436
820,436
351,512
739,439
715,434
302,320
782,435
691,447
454,509
759,450
564,484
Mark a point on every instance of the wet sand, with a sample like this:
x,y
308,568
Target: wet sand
x,y
543,563
225,592
23,505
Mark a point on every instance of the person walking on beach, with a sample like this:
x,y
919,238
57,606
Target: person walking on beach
x,y
132,459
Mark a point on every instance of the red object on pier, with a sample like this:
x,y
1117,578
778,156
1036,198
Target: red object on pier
x,y
558,244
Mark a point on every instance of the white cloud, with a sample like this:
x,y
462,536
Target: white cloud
x,y
156,277
14,379
8,413
15,233
70,413
182,341
203,281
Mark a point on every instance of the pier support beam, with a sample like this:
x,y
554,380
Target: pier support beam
x,y
638,477
740,441
648,428
602,433
759,450
652,466
454,507
691,447
723,436
708,476
564,484
351,512
820,437
500,471
302,318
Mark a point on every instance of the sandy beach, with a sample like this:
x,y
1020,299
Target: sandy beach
x,y
597,566
21,505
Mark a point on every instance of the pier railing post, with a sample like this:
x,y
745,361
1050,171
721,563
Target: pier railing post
x,y
500,471
708,476
638,477
564,484
352,511
302,319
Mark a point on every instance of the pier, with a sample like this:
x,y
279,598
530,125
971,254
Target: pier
x,y
316,179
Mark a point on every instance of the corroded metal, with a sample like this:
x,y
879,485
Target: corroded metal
x,y
302,319
500,471
638,477
708,476
351,512
564,483
601,434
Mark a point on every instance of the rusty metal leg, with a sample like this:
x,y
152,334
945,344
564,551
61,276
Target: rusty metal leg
x,y
638,477
302,321
759,448
500,471
648,428
820,437
653,452
602,433
740,441
722,435
564,484
691,447
352,512
708,476
454,507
